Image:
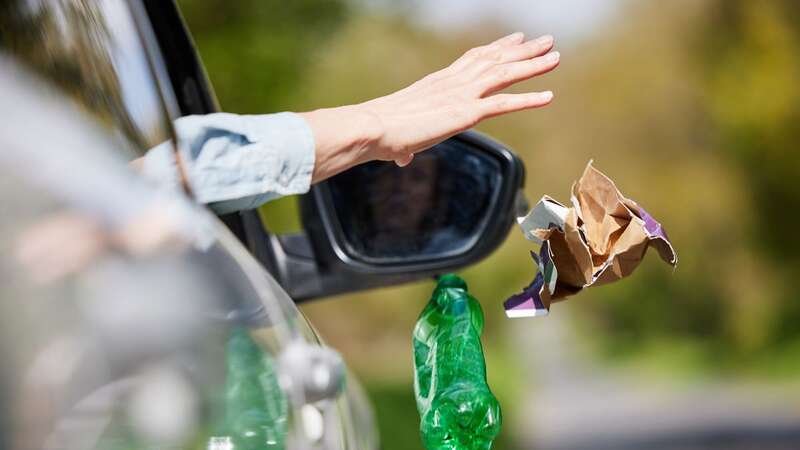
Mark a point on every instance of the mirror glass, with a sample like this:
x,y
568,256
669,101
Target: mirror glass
x,y
434,207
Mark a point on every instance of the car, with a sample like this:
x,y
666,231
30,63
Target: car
x,y
134,317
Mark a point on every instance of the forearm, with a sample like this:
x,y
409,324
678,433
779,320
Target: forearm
x,y
234,162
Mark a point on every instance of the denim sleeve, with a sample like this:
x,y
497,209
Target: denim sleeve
x,y
236,162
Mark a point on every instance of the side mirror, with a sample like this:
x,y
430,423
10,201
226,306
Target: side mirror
x,y
378,224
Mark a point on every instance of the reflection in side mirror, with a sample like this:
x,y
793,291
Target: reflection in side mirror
x,y
434,208
378,224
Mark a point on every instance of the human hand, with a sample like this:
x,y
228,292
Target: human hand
x,y
444,103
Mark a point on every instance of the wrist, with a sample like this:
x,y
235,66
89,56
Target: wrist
x,y
364,129
343,137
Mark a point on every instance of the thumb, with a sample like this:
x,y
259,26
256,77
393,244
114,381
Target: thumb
x,y
406,160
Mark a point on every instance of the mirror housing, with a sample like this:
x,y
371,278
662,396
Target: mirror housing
x,y
378,224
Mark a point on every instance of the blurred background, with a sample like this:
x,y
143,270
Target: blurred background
x,y
692,107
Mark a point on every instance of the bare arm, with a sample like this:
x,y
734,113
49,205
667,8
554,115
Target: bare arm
x,y
444,103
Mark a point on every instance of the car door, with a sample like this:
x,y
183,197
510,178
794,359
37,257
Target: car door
x,y
103,62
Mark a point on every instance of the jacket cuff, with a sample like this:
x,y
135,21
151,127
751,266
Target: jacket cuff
x,y
239,162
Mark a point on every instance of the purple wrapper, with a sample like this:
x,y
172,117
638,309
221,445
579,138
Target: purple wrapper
x,y
527,303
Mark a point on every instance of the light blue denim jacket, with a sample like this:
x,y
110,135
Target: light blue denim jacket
x,y
235,162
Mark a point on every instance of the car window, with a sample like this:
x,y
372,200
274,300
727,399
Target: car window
x,y
92,51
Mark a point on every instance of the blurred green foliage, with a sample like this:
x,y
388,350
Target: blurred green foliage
x,y
752,67
257,51
734,297
691,107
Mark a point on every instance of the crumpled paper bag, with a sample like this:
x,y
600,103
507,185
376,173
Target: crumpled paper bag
x,y
601,238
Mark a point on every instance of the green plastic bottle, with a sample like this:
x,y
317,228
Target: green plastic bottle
x,y
255,406
457,409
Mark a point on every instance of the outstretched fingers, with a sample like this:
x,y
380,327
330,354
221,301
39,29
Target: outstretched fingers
x,y
487,51
527,50
506,103
504,75
513,38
